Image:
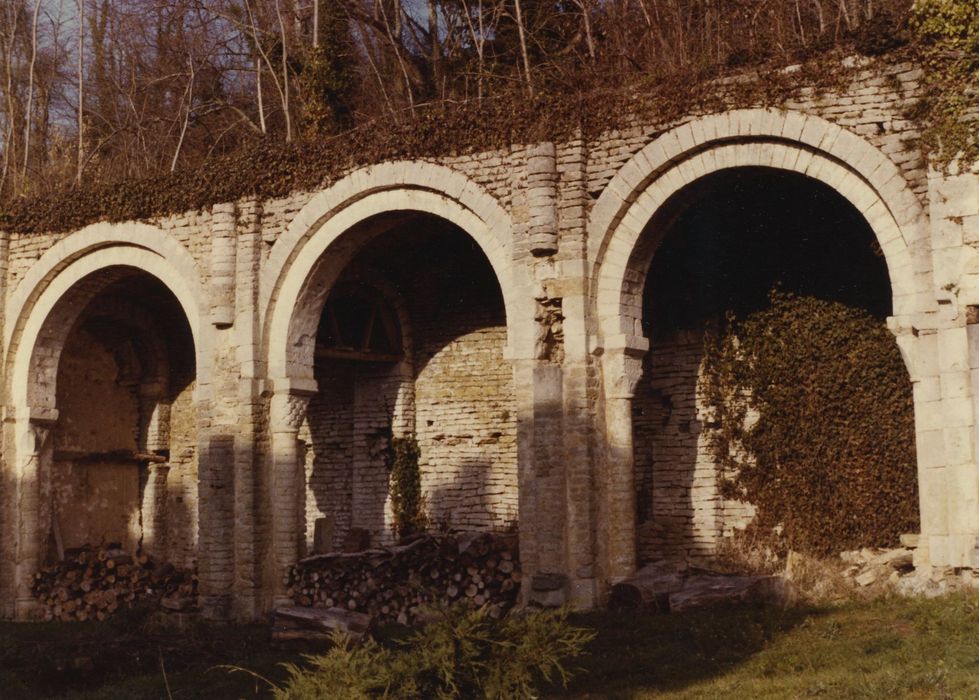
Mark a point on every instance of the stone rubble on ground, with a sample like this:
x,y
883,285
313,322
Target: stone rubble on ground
x,y
867,567
678,587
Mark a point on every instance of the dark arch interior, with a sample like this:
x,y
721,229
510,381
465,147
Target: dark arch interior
x,y
433,367
720,245
124,468
729,238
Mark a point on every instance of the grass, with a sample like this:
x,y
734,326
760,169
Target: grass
x,y
890,648
132,659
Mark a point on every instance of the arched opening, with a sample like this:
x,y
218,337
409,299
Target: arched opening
x,y
123,465
720,245
410,342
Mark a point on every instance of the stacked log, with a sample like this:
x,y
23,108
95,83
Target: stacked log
x,y
396,584
93,582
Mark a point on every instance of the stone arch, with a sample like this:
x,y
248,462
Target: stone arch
x,y
37,297
783,140
291,309
131,244
305,263
41,312
618,259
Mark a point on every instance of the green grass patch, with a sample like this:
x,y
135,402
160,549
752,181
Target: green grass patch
x,y
890,648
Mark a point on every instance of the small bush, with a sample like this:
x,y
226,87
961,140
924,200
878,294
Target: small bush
x,y
459,655
815,420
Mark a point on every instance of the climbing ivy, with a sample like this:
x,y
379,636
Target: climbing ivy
x,y
948,43
407,501
267,169
812,417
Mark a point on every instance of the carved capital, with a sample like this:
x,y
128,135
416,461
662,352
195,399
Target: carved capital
x,y
39,434
287,411
37,428
622,365
622,374
907,342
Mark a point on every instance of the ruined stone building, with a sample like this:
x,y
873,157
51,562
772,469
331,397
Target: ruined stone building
x,y
210,384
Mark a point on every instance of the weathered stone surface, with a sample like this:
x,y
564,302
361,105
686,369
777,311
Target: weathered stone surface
x,y
527,405
711,591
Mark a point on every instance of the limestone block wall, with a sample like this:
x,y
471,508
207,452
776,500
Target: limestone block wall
x,y
94,500
465,423
329,458
873,105
458,397
350,421
181,485
541,402
681,513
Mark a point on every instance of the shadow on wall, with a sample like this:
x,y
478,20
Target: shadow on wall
x,y
720,245
8,534
124,447
453,390
472,497
348,431
680,511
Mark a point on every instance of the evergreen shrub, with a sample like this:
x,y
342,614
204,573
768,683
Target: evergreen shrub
x,y
459,655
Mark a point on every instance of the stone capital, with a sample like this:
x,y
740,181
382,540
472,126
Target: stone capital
x,y
287,411
622,365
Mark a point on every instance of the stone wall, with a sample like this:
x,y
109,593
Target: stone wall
x,y
94,500
453,391
350,420
530,385
465,420
681,513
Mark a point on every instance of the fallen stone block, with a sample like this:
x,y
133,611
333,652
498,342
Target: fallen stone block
x,y
295,622
867,577
711,591
894,558
649,589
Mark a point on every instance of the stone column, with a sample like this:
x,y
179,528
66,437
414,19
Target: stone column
x,y
154,438
622,369
154,509
154,417
947,378
33,430
287,412
542,178
250,409
223,268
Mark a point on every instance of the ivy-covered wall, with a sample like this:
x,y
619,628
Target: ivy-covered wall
x,y
526,365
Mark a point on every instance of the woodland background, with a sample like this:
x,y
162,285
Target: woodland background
x,y
110,90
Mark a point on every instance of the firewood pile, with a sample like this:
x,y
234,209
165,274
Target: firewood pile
x,y
399,583
92,582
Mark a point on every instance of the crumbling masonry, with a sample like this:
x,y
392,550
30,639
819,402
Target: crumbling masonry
x,y
218,386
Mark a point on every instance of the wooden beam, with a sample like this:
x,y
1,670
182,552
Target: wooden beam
x,y
356,355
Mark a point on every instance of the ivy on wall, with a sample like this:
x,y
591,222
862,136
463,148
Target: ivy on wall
x,y
405,487
267,169
948,42
812,414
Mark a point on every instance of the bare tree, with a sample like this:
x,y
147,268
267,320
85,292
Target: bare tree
x,y
81,90
28,109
